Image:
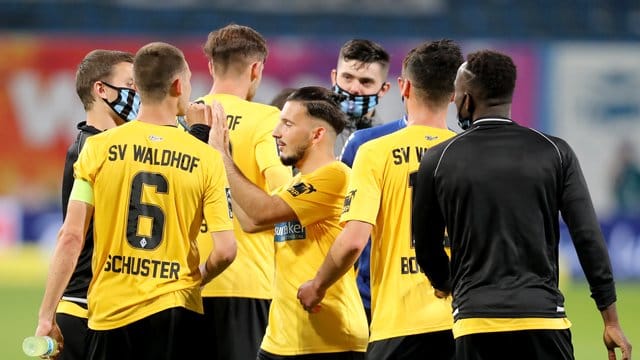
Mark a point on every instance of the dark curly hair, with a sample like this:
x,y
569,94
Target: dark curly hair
x,y
323,104
432,68
494,75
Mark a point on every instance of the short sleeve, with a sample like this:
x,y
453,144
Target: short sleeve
x,y
362,201
313,197
217,199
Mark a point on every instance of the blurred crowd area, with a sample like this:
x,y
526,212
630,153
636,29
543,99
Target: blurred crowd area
x,y
505,19
578,78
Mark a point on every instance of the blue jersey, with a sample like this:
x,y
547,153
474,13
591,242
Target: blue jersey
x,y
348,155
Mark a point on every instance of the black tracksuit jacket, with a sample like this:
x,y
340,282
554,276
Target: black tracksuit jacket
x,y
499,189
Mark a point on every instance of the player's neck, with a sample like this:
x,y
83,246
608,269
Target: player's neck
x,y
315,158
427,116
236,87
500,111
159,114
101,120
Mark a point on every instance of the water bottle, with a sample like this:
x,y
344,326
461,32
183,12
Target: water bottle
x,y
39,346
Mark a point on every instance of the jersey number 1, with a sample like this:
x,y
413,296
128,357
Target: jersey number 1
x,y
413,178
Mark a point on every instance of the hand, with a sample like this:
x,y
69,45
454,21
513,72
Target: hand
x,y
613,338
219,134
53,331
440,294
310,296
197,114
204,273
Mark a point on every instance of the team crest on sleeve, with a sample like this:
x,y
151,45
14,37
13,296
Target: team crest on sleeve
x,y
301,188
347,201
228,193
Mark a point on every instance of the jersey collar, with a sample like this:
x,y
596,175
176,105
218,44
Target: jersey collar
x,y
492,121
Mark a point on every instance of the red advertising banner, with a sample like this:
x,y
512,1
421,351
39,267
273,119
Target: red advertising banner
x,y
40,108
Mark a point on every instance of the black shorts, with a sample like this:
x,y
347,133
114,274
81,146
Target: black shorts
x,y
347,355
234,327
522,345
437,345
74,330
167,335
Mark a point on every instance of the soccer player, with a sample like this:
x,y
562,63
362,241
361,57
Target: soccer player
x,y
348,155
305,215
361,75
408,321
499,188
151,185
236,304
104,84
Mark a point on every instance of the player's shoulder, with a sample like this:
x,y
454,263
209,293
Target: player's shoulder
x,y
233,102
551,139
332,171
371,133
384,141
111,134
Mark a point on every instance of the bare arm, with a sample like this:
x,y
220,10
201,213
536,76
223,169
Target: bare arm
x,y
65,257
261,208
613,335
245,221
222,255
342,255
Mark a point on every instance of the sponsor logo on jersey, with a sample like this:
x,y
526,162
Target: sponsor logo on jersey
x,y
347,201
289,230
301,188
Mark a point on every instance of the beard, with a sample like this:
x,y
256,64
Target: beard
x,y
297,155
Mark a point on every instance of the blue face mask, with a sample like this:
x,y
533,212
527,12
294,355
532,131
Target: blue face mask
x,y
356,106
127,104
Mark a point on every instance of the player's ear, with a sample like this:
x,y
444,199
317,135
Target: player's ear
x,y
318,133
334,77
384,89
404,85
99,89
256,70
176,87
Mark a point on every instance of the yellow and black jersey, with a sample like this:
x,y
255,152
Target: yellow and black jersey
x,y
250,130
301,247
153,186
380,193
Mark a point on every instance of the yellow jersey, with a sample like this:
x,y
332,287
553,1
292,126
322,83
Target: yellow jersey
x,y
301,247
153,186
254,150
380,193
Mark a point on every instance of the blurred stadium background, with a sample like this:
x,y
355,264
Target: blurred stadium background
x,y
579,75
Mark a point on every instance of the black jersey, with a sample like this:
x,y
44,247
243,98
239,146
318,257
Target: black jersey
x,y
499,188
78,286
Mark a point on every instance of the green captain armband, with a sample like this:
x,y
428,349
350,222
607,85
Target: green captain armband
x,y
82,191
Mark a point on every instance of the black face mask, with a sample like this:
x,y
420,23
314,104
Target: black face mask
x,y
465,121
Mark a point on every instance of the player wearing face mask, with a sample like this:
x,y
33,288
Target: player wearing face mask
x,y
126,105
360,75
106,75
